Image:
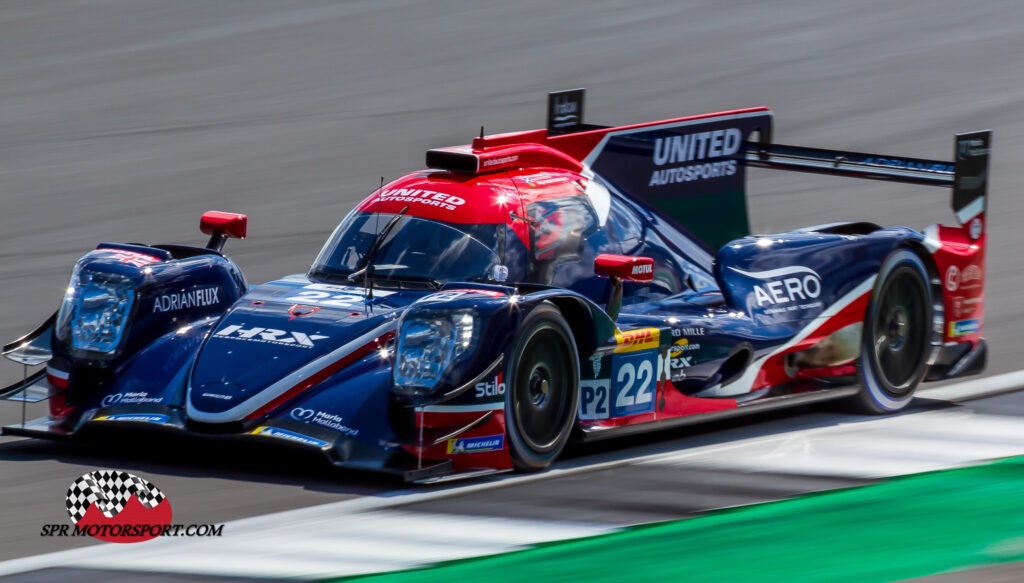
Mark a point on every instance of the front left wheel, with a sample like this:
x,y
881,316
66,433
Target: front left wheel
x,y
541,393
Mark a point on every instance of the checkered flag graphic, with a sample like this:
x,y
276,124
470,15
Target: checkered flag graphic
x,y
110,490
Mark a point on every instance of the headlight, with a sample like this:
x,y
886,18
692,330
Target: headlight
x,y
427,345
95,310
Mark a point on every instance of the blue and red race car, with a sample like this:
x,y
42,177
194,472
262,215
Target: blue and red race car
x,y
574,282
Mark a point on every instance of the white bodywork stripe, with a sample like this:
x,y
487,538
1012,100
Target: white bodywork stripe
x,y
464,408
56,373
744,384
974,208
931,239
772,273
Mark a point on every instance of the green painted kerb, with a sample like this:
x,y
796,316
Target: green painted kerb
x,y
907,527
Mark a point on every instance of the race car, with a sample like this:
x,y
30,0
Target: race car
x,y
574,282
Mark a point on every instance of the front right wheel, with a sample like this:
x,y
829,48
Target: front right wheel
x,y
897,333
541,392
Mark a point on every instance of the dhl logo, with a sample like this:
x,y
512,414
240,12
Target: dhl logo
x,y
636,340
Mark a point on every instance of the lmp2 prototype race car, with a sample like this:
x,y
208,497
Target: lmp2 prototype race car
x,y
575,282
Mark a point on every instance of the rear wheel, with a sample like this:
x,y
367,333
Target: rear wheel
x,y
897,334
541,393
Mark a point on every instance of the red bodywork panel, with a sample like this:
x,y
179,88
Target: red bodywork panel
x,y
625,267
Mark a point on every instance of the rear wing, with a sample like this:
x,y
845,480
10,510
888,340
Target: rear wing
x,y
691,171
967,175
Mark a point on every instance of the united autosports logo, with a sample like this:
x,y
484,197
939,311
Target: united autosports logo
x,y
120,507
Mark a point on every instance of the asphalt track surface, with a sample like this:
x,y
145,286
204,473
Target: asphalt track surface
x,y
125,121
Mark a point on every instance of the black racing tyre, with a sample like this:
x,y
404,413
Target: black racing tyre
x,y
897,335
541,389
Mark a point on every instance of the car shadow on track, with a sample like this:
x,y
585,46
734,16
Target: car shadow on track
x,y
194,457
189,456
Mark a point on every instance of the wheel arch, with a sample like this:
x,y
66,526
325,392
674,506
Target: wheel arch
x,y
938,296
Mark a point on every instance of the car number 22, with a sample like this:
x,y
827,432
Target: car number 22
x,y
630,390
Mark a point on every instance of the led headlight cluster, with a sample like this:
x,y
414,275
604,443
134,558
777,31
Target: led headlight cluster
x,y
95,310
428,344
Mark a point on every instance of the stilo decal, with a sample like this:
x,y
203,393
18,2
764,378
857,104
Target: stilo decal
x,y
695,147
636,340
491,388
105,502
786,289
270,335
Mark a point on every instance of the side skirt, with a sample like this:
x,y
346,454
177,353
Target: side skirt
x,y
767,404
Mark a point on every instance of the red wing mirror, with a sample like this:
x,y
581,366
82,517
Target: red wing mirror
x,y
624,267
220,225
621,268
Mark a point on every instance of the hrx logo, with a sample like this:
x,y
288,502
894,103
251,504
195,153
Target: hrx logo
x,y
273,335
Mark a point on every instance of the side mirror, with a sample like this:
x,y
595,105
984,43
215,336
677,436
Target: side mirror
x,y
619,268
220,225
624,267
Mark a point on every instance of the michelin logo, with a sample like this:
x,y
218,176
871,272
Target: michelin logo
x,y
136,417
476,444
289,435
694,147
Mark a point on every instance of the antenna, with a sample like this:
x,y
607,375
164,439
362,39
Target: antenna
x,y
481,132
367,276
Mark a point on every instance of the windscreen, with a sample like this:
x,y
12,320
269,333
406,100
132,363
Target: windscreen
x,y
414,250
